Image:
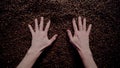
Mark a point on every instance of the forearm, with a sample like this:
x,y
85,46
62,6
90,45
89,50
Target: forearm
x,y
29,59
87,59
40,41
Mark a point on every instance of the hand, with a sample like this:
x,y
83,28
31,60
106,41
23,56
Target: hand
x,y
81,36
81,40
39,36
39,42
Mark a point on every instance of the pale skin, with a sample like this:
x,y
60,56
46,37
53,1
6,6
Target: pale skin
x,y
81,40
40,41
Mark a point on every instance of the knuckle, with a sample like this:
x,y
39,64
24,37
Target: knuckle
x,y
74,40
71,40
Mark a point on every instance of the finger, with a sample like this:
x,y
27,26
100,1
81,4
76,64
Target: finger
x,y
53,38
69,34
36,25
84,24
31,29
47,26
89,28
41,24
80,23
74,25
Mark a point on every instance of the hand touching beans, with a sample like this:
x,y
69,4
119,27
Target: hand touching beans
x,y
81,40
39,36
81,35
40,40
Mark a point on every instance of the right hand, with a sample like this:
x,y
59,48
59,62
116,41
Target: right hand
x,y
81,36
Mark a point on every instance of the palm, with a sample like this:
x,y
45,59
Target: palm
x,y
81,37
39,36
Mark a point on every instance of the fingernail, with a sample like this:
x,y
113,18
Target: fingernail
x,y
73,19
49,21
42,17
84,19
56,35
35,19
67,30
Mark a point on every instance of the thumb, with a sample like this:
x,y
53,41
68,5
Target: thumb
x,y
69,34
53,38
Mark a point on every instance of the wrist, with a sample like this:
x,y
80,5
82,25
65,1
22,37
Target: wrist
x,y
33,52
85,52
87,59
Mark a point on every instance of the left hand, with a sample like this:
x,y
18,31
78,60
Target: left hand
x,y
39,36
